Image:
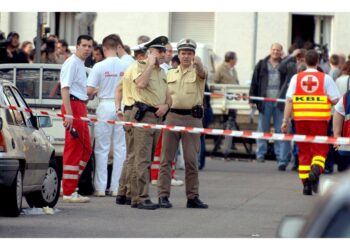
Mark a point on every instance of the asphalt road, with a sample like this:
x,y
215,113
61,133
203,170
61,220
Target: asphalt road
x,y
246,200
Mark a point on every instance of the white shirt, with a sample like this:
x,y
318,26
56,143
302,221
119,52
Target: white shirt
x,y
73,75
342,83
128,59
330,88
339,107
166,67
106,75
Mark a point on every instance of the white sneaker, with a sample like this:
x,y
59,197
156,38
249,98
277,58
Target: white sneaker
x,y
114,193
175,182
100,194
75,198
154,182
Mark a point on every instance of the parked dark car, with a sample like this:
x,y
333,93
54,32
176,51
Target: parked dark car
x,y
330,218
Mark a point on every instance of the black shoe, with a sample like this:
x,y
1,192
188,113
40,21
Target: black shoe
x,y
127,201
147,204
307,188
121,199
164,202
314,177
282,167
295,168
134,205
196,203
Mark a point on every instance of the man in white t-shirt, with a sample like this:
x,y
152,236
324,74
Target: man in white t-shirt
x,y
77,147
103,81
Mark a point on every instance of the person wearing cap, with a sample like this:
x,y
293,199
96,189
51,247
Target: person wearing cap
x,y
11,53
152,101
103,81
127,191
186,87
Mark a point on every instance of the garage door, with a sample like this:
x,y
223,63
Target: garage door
x,y
198,26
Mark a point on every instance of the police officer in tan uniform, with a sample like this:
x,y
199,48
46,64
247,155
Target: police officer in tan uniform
x,y
127,183
152,101
186,87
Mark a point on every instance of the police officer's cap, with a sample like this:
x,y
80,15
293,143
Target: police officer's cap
x,y
139,48
158,42
186,44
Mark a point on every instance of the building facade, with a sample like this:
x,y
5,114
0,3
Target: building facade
x,y
249,34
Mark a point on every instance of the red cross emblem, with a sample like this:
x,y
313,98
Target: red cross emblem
x,y
309,83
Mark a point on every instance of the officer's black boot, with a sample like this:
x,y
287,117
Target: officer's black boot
x,y
164,202
307,187
196,203
314,177
120,199
147,204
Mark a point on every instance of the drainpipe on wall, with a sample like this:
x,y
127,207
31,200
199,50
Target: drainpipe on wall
x,y
38,37
255,38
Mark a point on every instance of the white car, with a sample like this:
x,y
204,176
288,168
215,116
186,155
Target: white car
x,y
27,158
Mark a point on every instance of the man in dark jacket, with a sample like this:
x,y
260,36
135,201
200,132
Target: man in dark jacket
x,y
287,68
267,82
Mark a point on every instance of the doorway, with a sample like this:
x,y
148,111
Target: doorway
x,y
303,30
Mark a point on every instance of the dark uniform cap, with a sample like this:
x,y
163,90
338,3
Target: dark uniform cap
x,y
187,44
158,42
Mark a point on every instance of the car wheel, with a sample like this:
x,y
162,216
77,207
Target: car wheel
x,y
12,197
50,189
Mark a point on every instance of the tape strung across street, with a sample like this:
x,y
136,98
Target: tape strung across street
x,y
244,97
209,131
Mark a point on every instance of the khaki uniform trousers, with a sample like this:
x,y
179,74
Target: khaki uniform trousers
x,y
190,144
125,178
145,141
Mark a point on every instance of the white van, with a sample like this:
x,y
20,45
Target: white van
x,y
40,86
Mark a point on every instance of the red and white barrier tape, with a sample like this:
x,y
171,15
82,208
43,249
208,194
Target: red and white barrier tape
x,y
244,97
209,131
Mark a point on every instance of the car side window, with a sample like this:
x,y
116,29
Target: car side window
x,y
51,84
27,81
17,115
22,104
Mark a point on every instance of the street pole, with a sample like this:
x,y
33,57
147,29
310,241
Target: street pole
x,y
38,37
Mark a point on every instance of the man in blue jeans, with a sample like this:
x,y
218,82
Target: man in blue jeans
x,y
267,82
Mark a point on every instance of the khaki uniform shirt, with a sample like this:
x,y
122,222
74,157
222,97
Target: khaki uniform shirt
x,y
156,90
223,75
127,86
185,88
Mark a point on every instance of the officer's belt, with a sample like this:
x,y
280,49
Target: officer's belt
x,y
126,107
148,107
181,111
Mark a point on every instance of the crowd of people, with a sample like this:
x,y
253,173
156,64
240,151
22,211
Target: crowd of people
x,y
153,86
311,87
